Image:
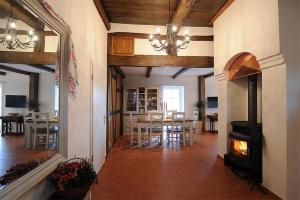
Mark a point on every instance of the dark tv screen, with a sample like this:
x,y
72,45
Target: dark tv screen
x,y
15,101
212,102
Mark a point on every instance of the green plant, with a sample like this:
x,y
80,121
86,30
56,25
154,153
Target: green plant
x,y
34,105
200,106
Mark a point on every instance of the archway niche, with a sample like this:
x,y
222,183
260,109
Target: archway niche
x,y
240,68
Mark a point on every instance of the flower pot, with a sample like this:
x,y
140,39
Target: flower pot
x,y
75,192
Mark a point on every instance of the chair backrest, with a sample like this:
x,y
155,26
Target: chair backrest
x,y
195,116
41,120
28,116
156,119
169,113
178,118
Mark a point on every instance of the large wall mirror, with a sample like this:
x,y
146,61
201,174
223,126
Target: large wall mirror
x,y
32,89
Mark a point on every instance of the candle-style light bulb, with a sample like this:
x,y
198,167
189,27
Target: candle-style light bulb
x,y
13,25
35,38
174,29
151,37
158,30
186,32
8,37
30,32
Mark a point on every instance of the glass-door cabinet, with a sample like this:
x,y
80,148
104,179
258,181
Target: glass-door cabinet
x,y
131,100
152,99
141,100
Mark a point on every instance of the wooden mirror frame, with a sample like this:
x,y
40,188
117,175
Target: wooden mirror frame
x,y
25,183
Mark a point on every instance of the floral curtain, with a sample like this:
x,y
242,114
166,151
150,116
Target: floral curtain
x,y
72,64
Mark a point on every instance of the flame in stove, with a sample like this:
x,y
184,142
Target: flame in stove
x,y
240,147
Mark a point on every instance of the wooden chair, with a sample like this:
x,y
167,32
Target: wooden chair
x,y
195,127
41,129
156,126
28,119
178,127
134,129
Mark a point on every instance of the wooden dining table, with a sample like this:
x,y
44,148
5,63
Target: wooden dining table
x,y
145,122
29,124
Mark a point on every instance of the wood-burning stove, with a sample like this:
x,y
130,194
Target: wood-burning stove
x,y
245,154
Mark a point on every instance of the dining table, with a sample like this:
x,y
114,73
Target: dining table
x,y
144,122
29,124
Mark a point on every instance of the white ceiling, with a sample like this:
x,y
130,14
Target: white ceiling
x,y
26,68
165,71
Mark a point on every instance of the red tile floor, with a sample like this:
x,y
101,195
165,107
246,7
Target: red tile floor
x,y
192,172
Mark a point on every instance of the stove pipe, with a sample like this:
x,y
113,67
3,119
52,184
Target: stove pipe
x,y
252,99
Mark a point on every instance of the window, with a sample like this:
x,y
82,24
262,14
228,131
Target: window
x,y
56,98
173,96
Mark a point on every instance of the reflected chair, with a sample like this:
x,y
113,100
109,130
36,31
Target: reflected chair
x,y
178,128
156,126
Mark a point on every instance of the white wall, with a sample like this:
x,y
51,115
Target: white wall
x,y
14,84
253,26
289,14
90,41
143,46
211,90
190,84
47,92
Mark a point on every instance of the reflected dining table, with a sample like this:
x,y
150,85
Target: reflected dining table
x,y
29,124
145,122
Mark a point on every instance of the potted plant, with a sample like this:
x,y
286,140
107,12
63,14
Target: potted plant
x,y
74,178
200,105
34,105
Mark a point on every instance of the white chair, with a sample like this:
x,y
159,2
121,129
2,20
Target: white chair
x,y
41,129
178,127
195,127
28,122
134,129
156,126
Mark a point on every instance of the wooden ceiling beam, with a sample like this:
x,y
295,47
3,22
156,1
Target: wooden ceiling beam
x,y
209,75
43,67
2,73
21,14
102,14
10,69
182,10
148,73
146,36
119,70
220,12
180,72
38,33
39,58
161,61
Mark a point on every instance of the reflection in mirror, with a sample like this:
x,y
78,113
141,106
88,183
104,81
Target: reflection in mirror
x,y
29,91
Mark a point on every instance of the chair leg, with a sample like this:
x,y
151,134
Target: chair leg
x,y
184,137
34,139
131,140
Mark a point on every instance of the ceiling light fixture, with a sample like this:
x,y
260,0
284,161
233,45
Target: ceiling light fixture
x,y
10,38
171,43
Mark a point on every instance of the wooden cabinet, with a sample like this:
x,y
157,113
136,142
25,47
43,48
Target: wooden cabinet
x,y
141,100
122,46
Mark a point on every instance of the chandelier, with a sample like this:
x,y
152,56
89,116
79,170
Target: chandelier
x,y
11,40
170,43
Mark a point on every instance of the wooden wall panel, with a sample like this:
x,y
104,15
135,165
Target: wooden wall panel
x,y
123,46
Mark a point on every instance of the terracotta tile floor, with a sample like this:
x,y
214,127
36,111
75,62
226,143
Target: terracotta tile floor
x,y
162,173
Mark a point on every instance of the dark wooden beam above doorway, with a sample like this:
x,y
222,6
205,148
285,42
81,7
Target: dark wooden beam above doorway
x,y
119,70
43,67
148,73
146,36
102,14
10,69
39,58
180,72
209,75
161,61
2,73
